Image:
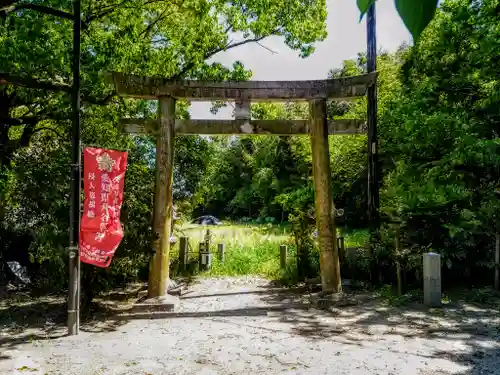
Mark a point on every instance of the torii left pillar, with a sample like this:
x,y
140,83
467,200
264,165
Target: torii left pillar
x,y
159,275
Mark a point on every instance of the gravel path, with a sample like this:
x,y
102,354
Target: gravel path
x,y
241,326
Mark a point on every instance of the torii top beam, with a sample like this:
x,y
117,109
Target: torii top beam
x,y
153,88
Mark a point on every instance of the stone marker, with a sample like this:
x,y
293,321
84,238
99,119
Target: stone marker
x,y
432,279
205,257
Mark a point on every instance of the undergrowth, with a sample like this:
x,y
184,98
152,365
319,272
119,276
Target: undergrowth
x,y
388,295
482,296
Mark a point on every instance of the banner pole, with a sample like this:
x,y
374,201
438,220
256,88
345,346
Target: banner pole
x,y
373,167
74,220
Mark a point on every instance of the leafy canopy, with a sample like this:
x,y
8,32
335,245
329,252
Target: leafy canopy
x,y
170,38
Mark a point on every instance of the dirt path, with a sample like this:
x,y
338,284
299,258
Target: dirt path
x,y
241,326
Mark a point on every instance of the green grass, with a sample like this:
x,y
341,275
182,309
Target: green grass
x,y
482,296
388,294
356,238
251,249
485,297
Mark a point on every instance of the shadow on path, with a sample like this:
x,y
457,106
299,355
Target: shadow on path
x,y
462,333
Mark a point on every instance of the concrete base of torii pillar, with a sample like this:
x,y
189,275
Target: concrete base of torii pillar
x,y
166,303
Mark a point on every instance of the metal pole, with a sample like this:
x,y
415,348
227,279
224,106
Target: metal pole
x,y
373,184
373,173
74,236
497,261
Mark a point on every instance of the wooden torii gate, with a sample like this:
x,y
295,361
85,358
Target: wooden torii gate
x,y
316,92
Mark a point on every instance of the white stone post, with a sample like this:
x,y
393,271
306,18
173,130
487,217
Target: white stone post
x,y
432,279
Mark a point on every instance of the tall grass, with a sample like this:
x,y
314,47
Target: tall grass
x,y
356,238
250,249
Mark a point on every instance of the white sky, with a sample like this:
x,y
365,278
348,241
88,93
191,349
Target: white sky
x,y
346,37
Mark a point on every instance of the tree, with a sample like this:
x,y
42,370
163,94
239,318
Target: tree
x,y
415,15
440,138
172,39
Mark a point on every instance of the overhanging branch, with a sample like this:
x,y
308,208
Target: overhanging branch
x,y
49,129
18,121
6,3
246,41
33,83
32,120
38,8
102,12
240,43
227,47
87,98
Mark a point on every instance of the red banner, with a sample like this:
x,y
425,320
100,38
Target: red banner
x,y
101,231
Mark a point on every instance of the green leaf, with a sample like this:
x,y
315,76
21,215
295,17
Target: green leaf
x,y
416,14
363,6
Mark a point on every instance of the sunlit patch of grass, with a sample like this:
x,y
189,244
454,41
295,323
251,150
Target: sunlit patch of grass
x,y
250,249
260,259
356,238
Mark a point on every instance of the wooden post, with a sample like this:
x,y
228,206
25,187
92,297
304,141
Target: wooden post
x,y
397,246
207,240
201,252
221,252
283,255
497,262
341,248
183,253
162,223
329,258
432,279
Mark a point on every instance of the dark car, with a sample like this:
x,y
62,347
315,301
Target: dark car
x,y
206,220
